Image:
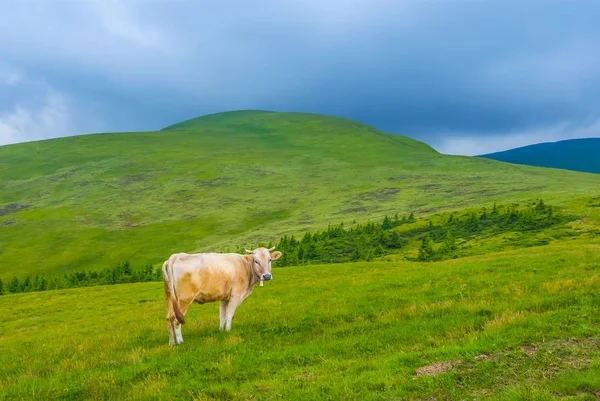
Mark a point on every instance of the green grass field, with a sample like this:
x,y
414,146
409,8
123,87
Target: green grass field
x,y
516,325
231,180
510,315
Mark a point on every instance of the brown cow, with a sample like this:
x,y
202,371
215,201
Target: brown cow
x,y
210,277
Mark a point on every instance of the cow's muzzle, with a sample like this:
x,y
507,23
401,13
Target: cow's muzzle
x,y
267,276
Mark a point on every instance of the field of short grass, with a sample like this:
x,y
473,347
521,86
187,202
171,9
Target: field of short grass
x,y
519,325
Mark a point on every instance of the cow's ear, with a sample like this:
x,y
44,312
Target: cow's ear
x,y
275,255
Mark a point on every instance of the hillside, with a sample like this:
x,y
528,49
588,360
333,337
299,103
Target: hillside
x,y
506,326
229,180
573,154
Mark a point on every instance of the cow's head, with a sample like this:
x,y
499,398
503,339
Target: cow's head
x,y
261,262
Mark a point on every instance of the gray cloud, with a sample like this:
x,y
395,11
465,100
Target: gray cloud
x,y
466,76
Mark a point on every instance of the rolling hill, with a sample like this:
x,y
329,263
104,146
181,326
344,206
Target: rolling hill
x,y
573,154
229,180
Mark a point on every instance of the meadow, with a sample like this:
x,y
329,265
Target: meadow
x,y
509,325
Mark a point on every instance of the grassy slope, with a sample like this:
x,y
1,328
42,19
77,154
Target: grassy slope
x,y
231,180
572,154
522,325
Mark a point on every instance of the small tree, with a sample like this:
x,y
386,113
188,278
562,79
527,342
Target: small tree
x,y
26,286
13,286
449,243
43,285
495,210
426,250
396,240
540,206
126,268
1,287
387,224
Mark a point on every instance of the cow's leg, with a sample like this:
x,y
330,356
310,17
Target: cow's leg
x,y
171,323
231,307
183,307
223,314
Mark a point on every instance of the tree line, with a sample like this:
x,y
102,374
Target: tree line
x,y
122,272
338,244
439,241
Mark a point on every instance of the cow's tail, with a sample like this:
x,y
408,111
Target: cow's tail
x,y
167,271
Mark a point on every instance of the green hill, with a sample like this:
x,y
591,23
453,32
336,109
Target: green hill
x,y
573,154
229,180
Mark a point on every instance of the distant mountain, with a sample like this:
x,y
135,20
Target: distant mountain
x,y
572,154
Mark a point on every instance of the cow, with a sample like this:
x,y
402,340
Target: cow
x,y
210,277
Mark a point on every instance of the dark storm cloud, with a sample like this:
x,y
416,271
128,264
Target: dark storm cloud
x,y
466,76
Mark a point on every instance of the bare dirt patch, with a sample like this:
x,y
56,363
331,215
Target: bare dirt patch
x,y
64,175
437,368
529,349
133,178
216,182
379,194
13,208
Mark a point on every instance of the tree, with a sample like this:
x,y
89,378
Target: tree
x,y
495,210
126,269
411,218
426,250
540,206
473,221
26,286
396,241
1,287
449,242
43,285
387,224
13,286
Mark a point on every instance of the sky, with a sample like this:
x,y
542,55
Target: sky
x,y
466,76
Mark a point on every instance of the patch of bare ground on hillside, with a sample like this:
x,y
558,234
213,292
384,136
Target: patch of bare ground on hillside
x,y
12,208
541,361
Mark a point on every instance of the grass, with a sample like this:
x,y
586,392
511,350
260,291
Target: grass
x,y
507,325
229,180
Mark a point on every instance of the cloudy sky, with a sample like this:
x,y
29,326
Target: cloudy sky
x,y
466,76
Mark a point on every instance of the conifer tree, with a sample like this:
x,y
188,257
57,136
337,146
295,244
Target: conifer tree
x,y
387,224
13,286
449,242
426,251
495,210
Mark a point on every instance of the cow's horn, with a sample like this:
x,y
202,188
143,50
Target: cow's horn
x,y
248,251
272,249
